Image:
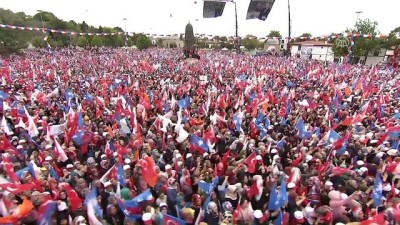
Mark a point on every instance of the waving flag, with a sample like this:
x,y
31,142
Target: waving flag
x,y
259,9
93,207
120,175
184,103
144,196
330,137
198,144
208,187
170,220
149,173
377,191
213,8
273,199
3,95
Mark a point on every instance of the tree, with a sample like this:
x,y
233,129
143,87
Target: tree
x,y
364,45
97,41
274,33
38,42
159,42
143,42
82,41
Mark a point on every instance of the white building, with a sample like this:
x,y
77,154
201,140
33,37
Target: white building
x,y
374,57
315,49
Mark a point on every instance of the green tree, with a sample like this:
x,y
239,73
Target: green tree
x,y
274,33
159,42
38,42
393,41
97,41
143,42
82,41
364,45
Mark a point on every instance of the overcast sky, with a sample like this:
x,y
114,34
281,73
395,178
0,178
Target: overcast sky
x,y
318,17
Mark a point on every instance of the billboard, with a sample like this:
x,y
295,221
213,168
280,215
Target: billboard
x,y
259,9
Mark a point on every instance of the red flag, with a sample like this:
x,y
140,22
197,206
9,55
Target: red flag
x,y
378,219
251,162
149,173
253,190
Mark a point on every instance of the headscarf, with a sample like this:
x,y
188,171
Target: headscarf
x,y
125,194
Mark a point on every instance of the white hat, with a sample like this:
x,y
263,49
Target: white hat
x,y
168,167
291,185
178,156
374,141
69,166
62,206
188,155
169,136
363,169
205,154
257,214
108,183
340,224
308,158
19,147
299,215
346,153
163,204
103,156
48,158
127,161
258,157
275,157
146,217
379,154
392,152
360,163
126,167
115,154
273,151
328,183
48,146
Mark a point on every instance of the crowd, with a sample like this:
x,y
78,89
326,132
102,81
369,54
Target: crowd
x,y
114,136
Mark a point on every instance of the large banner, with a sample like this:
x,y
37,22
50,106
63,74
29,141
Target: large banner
x,y
259,9
213,9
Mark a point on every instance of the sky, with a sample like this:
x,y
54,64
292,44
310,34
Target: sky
x,y
318,17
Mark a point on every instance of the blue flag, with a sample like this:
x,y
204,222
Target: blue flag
x,y
377,191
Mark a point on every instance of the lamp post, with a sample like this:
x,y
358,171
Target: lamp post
x,y
126,33
288,50
236,29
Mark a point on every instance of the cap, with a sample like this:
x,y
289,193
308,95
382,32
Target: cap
x,y
43,169
387,187
90,160
188,155
35,193
257,214
258,157
106,184
126,167
146,217
69,166
48,146
168,167
273,151
48,158
299,216
360,163
291,185
328,183
127,161
163,204
103,156
309,158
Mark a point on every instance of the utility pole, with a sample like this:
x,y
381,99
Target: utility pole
x,y
236,30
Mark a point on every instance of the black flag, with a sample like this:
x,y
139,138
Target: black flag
x,y
259,9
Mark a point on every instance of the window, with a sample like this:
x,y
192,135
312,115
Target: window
x,y
299,48
322,47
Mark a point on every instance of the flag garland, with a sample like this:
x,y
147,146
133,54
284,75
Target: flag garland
x,y
323,37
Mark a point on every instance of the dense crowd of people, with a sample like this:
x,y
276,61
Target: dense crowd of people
x,y
114,136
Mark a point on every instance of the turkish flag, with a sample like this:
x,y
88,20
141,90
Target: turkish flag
x,y
149,171
251,162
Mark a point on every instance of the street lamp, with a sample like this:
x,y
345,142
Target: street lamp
x,y
358,15
126,33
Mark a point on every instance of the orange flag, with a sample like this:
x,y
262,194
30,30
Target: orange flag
x,y
24,209
150,175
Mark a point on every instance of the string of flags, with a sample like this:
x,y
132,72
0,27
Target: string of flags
x,y
324,37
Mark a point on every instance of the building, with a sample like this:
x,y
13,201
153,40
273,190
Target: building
x,y
171,41
374,57
320,50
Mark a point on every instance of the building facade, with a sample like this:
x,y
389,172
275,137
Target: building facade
x,y
319,50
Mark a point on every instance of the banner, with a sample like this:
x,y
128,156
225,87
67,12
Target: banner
x,y
259,9
213,9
